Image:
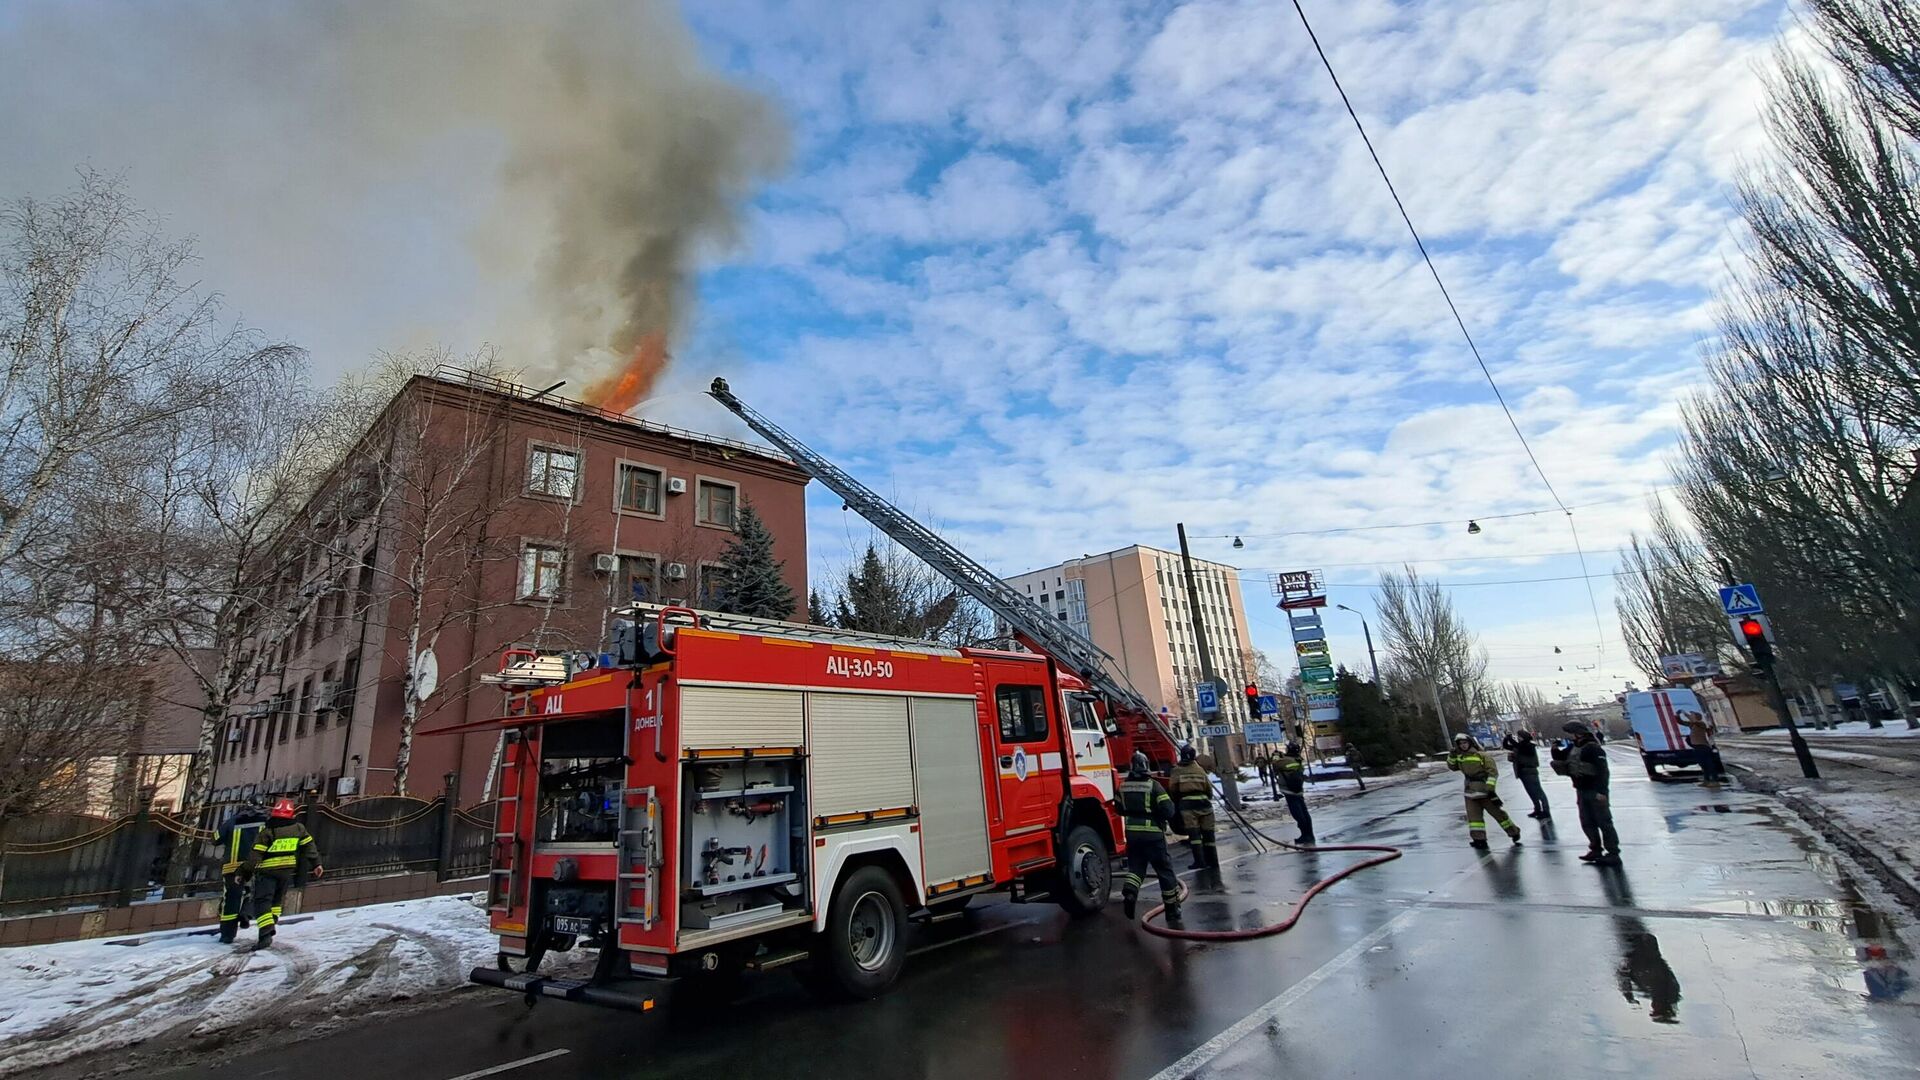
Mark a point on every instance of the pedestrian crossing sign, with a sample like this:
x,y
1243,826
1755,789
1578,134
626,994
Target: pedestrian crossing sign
x,y
1742,599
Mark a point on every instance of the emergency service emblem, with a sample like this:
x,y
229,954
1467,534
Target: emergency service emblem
x,y
1020,762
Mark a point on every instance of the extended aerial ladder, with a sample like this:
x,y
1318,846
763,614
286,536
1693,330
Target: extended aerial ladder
x,y
1033,626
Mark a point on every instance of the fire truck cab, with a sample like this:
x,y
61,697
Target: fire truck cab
x,y
721,794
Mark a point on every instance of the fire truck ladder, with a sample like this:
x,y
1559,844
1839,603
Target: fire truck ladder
x,y
1067,646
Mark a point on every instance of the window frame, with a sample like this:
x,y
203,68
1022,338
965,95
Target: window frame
x,y
619,489
700,484
653,557
1016,732
701,570
539,446
523,583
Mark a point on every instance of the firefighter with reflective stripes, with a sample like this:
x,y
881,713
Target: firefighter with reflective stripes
x,y
1292,770
283,856
236,843
1470,763
1192,793
1147,810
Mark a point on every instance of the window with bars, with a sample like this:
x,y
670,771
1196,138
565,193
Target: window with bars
x,y
553,471
543,572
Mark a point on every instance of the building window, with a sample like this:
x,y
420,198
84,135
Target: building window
x,y
712,587
302,709
714,504
554,471
349,689
637,578
543,572
283,725
1023,713
639,488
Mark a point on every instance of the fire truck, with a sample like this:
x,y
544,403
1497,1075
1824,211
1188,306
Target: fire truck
x,y
718,794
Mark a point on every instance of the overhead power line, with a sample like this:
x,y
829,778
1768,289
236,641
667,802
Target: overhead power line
x,y
1446,295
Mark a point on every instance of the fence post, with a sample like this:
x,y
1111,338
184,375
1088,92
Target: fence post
x,y
443,865
132,841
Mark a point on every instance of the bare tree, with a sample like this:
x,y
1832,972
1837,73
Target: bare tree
x,y
1431,653
1665,597
60,721
888,590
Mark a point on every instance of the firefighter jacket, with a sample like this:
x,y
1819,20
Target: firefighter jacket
x,y
1478,771
284,849
1192,793
236,840
1145,806
1293,774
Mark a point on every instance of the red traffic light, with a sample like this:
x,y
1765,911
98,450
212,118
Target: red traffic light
x,y
1751,628
1253,690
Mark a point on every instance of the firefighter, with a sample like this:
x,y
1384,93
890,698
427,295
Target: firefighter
x,y
1192,793
284,856
1469,762
236,843
1293,783
1147,810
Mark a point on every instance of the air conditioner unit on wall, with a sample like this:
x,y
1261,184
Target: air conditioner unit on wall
x,y
674,571
606,562
676,485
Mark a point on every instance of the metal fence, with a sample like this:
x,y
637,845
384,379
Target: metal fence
x,y
64,861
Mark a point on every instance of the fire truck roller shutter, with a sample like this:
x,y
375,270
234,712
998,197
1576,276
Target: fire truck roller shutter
x,y
860,753
953,812
723,717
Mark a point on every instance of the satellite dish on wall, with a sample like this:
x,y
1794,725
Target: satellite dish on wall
x,y
426,674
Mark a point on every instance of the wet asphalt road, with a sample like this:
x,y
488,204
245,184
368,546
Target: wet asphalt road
x,y
1729,945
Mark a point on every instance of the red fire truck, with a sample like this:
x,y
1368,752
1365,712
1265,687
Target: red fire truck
x,y
719,793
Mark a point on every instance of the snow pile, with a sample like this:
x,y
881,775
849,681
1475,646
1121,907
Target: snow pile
x,y
1890,729
58,1001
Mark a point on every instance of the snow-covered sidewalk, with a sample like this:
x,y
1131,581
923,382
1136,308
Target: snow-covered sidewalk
x,y
60,1001
1890,729
1867,804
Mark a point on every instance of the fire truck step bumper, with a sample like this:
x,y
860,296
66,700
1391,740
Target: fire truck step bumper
x,y
636,995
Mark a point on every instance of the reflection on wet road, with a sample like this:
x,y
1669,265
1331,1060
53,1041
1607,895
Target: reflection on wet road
x,y
1729,944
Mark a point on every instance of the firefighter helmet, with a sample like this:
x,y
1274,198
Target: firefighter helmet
x,y
1186,753
1293,749
284,808
1463,739
1139,766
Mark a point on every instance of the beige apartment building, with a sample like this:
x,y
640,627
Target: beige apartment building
x,y
1133,603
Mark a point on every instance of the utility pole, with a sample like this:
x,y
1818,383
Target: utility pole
x,y
1368,634
1222,752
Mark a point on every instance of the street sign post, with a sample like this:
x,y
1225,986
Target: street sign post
x,y
1210,731
1265,731
1207,696
1269,705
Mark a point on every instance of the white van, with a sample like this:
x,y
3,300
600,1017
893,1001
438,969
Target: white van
x,y
1654,717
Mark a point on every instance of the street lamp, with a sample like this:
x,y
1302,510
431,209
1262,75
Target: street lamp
x,y
1371,662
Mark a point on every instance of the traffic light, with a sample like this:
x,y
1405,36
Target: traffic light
x,y
1253,700
1757,643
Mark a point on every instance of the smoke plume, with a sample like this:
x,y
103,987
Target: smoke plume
x,y
600,156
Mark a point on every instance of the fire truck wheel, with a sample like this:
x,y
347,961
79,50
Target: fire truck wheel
x,y
1087,879
865,941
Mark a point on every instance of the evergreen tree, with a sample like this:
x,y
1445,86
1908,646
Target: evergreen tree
x,y
752,582
817,612
1383,734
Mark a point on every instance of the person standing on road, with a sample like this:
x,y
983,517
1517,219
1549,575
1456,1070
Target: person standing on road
x,y
236,844
1192,792
1586,765
1524,755
1147,810
283,856
1470,763
1293,783
1700,739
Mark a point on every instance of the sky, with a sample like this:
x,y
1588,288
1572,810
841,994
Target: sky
x,y
1057,277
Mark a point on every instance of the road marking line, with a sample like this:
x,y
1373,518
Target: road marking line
x,y
511,1065
1200,1056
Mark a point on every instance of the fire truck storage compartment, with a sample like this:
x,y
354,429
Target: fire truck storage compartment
x,y
953,812
745,840
582,770
861,753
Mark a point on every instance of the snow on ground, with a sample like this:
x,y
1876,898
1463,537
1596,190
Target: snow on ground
x,y
1870,798
1891,729
59,1001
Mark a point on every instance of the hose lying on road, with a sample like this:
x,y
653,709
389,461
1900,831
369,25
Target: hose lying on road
x,y
1299,906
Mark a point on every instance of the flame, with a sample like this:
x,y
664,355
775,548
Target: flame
x,y
619,391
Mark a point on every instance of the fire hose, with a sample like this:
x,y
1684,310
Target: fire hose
x,y
1299,906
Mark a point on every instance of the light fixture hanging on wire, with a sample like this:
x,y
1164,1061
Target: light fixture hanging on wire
x,y
1473,528
1239,543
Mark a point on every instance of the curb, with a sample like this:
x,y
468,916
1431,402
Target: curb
x,y
1836,832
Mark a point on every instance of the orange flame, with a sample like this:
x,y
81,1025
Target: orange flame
x,y
620,391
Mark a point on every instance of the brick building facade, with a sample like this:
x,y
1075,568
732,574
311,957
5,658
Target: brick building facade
x,y
477,515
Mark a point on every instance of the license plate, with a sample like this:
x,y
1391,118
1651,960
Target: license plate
x,y
572,924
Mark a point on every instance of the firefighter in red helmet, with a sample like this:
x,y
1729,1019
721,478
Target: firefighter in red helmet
x,y
283,857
